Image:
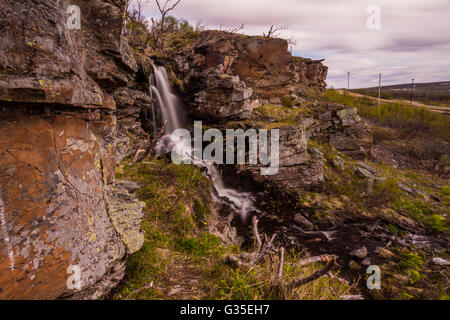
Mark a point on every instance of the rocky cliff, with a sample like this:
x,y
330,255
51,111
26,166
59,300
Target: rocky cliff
x,y
225,76
67,116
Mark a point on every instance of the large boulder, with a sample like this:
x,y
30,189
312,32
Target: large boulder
x,y
64,115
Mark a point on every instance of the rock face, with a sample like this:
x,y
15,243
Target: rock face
x,y
67,116
342,128
227,75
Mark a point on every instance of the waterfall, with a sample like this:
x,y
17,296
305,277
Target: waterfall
x,y
169,104
167,101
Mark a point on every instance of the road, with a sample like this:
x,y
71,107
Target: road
x,y
439,109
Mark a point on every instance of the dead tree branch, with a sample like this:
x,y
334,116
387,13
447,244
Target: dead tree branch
x,y
144,153
235,30
331,262
267,249
158,29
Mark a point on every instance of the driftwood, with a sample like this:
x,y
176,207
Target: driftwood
x,y
144,153
267,249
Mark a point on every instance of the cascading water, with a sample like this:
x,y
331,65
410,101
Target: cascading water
x,y
172,112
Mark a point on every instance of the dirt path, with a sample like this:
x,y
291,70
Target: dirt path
x,y
439,109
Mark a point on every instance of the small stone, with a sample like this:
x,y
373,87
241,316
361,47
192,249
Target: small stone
x,y
405,188
275,100
359,253
338,162
440,261
366,262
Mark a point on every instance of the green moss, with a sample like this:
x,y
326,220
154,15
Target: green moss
x,y
202,245
393,229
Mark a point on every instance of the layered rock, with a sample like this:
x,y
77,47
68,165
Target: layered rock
x,y
65,122
226,75
300,166
342,128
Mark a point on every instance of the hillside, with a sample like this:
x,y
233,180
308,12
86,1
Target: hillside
x,y
432,93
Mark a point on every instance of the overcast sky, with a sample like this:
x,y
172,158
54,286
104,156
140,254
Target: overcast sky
x,y
413,41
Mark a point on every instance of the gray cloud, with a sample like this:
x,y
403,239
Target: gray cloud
x,y
413,41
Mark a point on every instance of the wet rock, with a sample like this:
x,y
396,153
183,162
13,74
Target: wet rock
x,y
303,222
359,253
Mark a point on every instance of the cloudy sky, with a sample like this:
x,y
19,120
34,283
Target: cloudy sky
x,y
413,40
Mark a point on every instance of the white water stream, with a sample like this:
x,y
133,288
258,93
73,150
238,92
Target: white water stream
x,y
171,110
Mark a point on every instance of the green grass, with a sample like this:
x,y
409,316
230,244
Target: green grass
x,y
178,246
396,115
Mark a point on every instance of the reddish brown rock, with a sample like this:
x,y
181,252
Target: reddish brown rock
x,y
60,141
227,75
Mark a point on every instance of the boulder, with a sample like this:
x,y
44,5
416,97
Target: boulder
x,y
63,117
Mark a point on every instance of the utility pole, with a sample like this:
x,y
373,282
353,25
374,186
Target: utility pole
x,y
379,88
412,89
348,81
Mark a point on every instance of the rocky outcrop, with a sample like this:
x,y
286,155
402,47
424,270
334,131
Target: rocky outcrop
x,y
342,128
226,75
68,114
300,168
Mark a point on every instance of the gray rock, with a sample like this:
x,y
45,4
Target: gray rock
x,y
405,188
364,173
241,94
366,262
359,253
368,168
348,116
338,162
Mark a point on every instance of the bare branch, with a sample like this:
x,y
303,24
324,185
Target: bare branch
x,y
142,153
280,265
256,234
235,30
316,275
